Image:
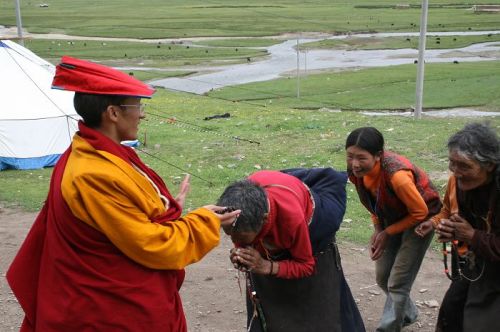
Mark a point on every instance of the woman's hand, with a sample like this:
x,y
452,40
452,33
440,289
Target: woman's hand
x,y
183,190
379,242
235,260
249,259
445,230
374,237
463,230
424,228
455,228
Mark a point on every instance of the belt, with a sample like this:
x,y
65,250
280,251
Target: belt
x,y
332,246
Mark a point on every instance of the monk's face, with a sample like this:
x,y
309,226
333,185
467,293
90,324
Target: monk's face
x,y
132,111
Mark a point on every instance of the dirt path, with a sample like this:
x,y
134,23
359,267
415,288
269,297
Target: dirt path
x,y
211,296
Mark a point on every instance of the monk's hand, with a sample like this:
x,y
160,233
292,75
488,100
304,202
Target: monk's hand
x,y
445,230
424,228
378,245
463,231
226,218
183,191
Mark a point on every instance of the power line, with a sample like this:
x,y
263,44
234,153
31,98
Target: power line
x,y
185,124
245,101
210,183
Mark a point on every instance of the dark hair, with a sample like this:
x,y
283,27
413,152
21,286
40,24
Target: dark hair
x,y
251,199
90,106
366,138
476,141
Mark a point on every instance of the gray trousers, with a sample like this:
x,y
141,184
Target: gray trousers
x,y
396,271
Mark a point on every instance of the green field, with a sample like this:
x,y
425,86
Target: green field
x,y
448,85
148,54
188,18
292,132
378,43
287,137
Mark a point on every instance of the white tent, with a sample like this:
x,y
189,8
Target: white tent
x,y
36,122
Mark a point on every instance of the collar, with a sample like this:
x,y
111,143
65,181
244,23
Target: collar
x,y
375,171
268,225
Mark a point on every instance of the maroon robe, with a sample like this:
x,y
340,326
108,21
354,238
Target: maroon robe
x,y
68,276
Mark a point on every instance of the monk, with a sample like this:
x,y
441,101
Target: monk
x,y
107,251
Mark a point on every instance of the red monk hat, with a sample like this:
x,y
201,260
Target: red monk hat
x,y
87,77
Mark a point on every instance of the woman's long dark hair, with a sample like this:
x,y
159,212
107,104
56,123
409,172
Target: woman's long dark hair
x,y
366,138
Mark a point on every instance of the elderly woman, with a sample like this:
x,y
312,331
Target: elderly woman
x,y
285,240
470,220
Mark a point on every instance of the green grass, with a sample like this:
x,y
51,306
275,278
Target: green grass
x,y
292,132
446,85
379,43
149,75
188,18
139,53
287,137
27,189
239,42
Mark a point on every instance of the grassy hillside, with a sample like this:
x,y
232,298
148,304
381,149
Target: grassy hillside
x,y
446,85
269,127
177,137
188,18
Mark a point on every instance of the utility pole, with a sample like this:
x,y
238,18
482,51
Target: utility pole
x,y
298,69
305,61
19,23
421,50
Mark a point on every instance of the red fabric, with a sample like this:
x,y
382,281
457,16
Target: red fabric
x,y
87,77
104,143
286,227
68,276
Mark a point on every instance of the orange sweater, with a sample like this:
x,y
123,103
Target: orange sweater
x,y
450,202
403,185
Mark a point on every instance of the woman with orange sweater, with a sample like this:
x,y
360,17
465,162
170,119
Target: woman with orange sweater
x,y
399,196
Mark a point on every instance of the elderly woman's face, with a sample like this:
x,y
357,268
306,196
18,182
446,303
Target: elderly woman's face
x,y
469,172
243,239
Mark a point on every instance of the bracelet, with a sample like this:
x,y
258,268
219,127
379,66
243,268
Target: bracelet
x,y
271,271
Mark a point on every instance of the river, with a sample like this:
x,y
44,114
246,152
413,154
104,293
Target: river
x,y
282,60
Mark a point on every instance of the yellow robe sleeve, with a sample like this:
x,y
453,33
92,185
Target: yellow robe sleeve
x,y
106,197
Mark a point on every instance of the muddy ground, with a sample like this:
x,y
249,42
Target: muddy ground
x,y
211,296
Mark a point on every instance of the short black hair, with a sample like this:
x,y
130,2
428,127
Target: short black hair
x,y
366,138
91,106
251,199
